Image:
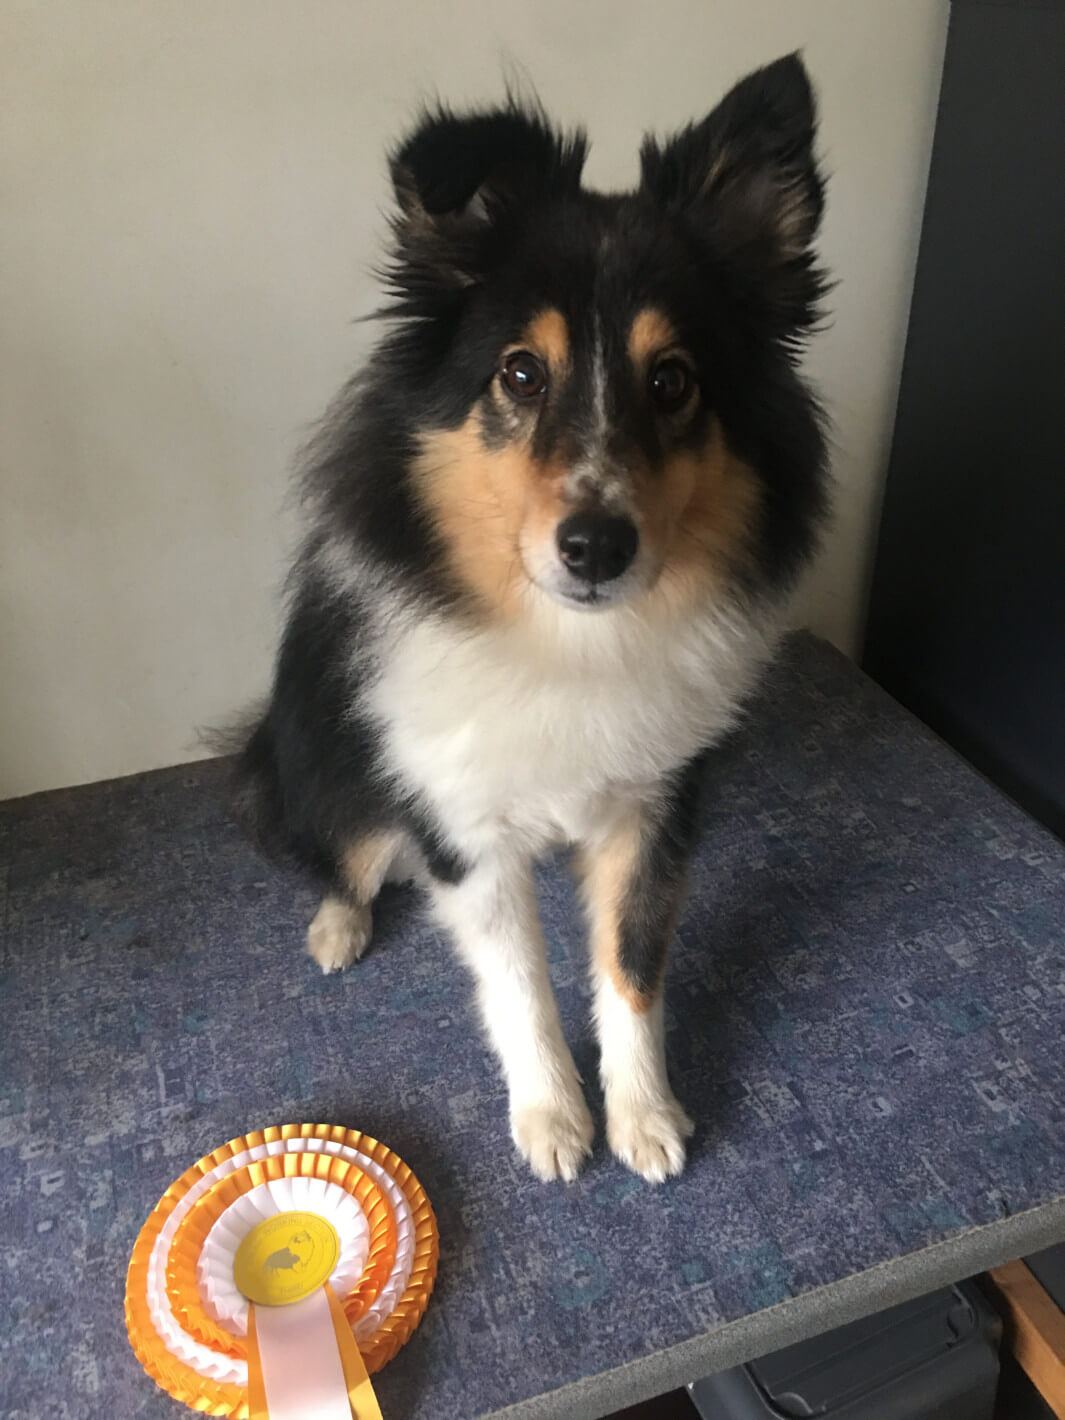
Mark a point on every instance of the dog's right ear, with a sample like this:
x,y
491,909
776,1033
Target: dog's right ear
x,y
459,179
499,156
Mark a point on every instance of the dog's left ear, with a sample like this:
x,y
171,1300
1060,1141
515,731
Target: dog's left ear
x,y
747,180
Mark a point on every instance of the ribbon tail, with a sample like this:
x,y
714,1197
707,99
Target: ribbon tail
x,y
361,1395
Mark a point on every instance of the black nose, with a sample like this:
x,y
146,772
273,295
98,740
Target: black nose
x,y
595,547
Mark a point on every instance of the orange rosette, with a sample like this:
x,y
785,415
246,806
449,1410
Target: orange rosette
x,y
321,1212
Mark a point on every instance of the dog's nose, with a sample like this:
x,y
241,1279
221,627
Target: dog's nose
x,y
595,547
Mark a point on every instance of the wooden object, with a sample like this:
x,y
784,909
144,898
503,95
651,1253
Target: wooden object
x,y
1035,1330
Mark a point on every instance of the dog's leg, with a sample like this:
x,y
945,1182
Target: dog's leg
x,y
339,933
342,927
633,878
491,915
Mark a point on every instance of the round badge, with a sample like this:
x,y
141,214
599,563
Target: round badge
x,y
303,1205
286,1258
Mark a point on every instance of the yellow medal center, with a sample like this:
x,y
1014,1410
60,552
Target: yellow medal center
x,y
286,1258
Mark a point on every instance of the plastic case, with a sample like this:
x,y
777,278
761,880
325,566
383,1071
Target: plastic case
x,y
935,1358
1048,1267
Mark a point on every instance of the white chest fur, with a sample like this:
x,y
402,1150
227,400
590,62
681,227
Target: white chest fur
x,y
538,728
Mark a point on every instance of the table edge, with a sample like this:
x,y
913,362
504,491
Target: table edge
x,y
883,1285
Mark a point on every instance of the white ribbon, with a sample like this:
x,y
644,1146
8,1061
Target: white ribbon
x,y
302,1375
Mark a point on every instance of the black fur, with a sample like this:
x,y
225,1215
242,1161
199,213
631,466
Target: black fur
x,y
653,892
311,775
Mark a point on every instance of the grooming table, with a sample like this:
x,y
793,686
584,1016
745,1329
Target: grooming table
x,y
866,1012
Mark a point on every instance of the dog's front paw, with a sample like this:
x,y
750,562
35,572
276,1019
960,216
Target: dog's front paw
x,y
555,1137
339,934
648,1135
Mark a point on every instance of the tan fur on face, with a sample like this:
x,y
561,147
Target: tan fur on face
x,y
698,515
649,335
479,499
484,501
607,872
547,335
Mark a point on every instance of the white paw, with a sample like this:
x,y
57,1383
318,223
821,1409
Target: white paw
x,y
555,1137
339,934
648,1135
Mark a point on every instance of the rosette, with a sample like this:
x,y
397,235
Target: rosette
x,y
279,1272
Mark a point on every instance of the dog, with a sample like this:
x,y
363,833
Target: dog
x,y
552,527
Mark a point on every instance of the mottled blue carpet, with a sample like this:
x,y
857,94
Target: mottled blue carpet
x,y
866,1016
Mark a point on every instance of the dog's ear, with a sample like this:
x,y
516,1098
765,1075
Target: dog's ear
x,y
458,179
747,180
455,166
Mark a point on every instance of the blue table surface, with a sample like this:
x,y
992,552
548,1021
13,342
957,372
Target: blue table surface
x,y
866,1009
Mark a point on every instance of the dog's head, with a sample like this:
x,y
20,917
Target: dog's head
x,y
602,387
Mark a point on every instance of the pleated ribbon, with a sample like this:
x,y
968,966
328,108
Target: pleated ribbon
x,y
341,1203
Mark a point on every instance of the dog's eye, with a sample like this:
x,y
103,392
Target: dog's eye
x,y
523,376
671,385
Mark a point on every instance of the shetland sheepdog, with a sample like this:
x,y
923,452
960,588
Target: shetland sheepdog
x,y
551,528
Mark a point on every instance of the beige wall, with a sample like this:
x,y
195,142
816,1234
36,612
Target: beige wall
x,y
192,196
